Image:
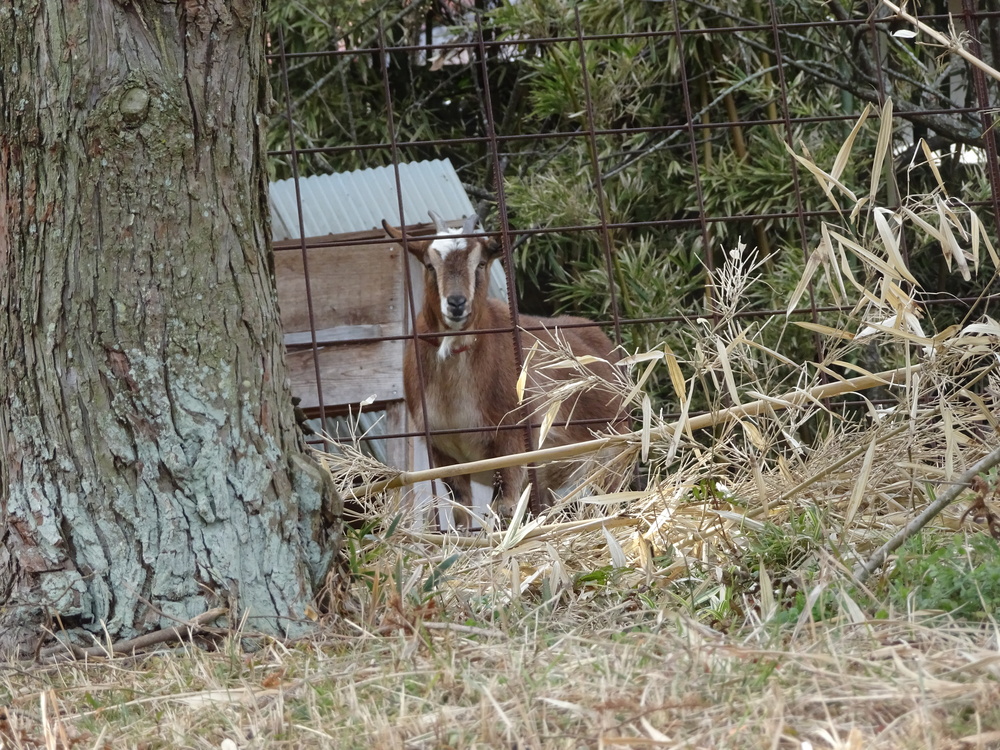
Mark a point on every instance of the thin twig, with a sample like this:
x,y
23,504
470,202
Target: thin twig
x,y
952,45
862,572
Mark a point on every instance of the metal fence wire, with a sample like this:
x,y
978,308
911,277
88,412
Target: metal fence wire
x,y
619,150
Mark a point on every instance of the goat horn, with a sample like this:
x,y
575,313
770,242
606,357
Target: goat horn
x,y
439,224
470,224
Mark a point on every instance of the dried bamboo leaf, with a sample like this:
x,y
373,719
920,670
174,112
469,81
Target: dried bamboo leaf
x,y
851,367
990,328
680,426
891,243
860,485
820,255
522,378
612,499
881,147
559,579
857,617
856,211
825,330
753,434
873,260
727,371
926,226
845,150
847,271
767,601
767,350
645,376
516,531
550,417
618,558
978,230
824,179
647,425
634,359
676,376
932,163
950,245
589,359
983,408
655,735
894,328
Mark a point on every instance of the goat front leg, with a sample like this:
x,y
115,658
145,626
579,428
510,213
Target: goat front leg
x,y
461,492
508,484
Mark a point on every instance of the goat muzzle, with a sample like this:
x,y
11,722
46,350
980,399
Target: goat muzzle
x,y
457,311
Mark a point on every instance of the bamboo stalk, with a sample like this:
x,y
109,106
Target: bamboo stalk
x,y
945,41
575,450
862,572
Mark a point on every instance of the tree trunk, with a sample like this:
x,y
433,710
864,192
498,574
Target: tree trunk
x,y
151,466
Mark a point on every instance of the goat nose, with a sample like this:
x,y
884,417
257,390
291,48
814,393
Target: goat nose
x,y
456,304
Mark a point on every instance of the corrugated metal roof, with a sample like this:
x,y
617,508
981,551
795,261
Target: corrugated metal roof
x,y
359,200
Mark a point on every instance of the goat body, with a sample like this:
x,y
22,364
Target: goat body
x,y
469,379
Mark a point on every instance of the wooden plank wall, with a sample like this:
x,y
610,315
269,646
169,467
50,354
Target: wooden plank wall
x,y
357,293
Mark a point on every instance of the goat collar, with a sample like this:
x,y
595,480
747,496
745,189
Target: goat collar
x,y
436,342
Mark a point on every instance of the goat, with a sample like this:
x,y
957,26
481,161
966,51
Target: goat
x,y
469,380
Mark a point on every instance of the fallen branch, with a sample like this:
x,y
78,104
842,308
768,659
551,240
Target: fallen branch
x,y
126,647
862,572
574,450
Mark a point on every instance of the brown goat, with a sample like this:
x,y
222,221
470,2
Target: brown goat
x,y
469,380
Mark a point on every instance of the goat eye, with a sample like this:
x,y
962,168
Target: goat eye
x,y
482,264
429,267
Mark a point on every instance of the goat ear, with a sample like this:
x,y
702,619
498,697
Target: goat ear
x,y
494,249
416,247
391,230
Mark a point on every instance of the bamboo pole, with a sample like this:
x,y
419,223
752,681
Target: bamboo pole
x,y
574,450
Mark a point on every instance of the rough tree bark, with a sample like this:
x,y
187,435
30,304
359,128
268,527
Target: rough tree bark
x,y
151,468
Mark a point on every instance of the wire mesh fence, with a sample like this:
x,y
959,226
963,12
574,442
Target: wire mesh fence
x,y
619,151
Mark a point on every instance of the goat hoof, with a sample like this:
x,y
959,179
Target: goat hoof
x,y
462,519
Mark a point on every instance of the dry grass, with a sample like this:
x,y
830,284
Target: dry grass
x,y
714,609
630,676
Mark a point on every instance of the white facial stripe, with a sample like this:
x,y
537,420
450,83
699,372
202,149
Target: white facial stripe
x,y
445,245
473,261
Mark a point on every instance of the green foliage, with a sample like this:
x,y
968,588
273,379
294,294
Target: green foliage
x,y
364,545
338,101
959,575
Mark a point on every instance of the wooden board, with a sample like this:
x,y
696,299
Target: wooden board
x,y
351,285
349,373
